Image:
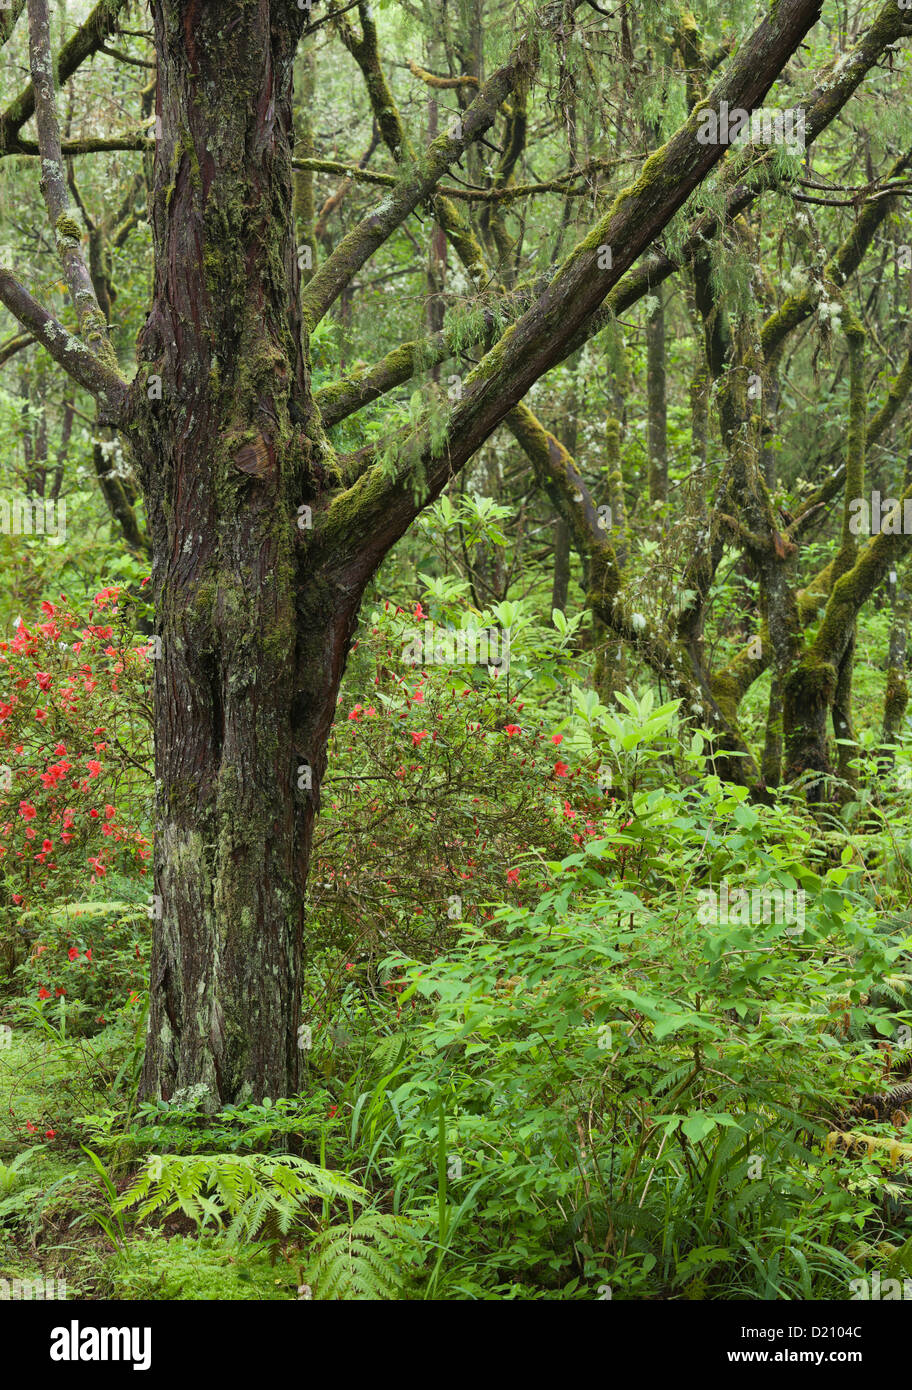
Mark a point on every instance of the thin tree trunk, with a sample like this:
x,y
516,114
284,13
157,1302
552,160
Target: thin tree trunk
x,y
771,766
896,691
843,726
560,585
657,425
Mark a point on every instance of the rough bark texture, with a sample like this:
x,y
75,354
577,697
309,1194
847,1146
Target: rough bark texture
x,y
896,690
657,430
251,641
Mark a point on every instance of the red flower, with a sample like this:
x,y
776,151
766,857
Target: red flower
x,y
418,735
49,1134
44,993
511,729
43,679
557,738
94,767
73,953
26,811
561,769
513,875
332,1110
110,811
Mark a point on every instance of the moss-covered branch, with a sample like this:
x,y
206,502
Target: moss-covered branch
x,y
92,323
415,185
846,260
88,39
69,352
8,17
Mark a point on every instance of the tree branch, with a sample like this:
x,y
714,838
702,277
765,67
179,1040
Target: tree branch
x,y
385,507
71,353
416,185
87,40
92,323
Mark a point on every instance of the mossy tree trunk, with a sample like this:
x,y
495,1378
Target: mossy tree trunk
x,y
250,640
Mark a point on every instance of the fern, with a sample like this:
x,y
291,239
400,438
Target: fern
x,y
253,1191
360,1261
11,1173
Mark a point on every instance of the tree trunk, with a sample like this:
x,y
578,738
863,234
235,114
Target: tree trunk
x,y
896,691
249,652
560,583
843,725
771,765
657,428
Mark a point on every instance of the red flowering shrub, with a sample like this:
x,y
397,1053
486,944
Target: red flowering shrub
x,y
442,798
74,746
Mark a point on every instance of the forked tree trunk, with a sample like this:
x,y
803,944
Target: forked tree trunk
x,y
250,643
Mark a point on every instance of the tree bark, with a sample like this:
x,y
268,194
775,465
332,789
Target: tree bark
x,y
896,690
250,638
657,429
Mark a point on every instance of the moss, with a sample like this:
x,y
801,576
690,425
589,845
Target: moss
x,y
809,687
68,229
183,145
347,509
896,698
94,330
789,314
726,691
